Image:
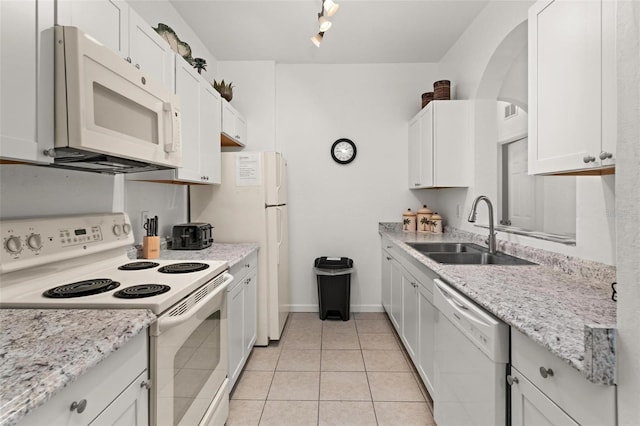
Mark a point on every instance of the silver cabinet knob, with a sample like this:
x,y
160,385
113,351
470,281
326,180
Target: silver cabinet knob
x,y
128,59
78,406
146,384
138,66
388,258
546,372
605,155
416,184
589,159
512,379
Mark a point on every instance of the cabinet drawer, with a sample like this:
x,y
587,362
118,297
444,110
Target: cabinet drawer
x,y
240,269
588,403
99,387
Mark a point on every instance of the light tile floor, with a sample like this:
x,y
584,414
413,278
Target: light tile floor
x,y
331,373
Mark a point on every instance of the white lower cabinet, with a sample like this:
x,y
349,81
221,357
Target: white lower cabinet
x,y
426,332
410,314
546,391
530,407
242,314
408,292
112,393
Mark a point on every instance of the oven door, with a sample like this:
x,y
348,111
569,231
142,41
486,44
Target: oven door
x,y
189,357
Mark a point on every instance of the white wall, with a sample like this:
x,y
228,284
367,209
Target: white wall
x,y
254,96
628,212
335,209
472,64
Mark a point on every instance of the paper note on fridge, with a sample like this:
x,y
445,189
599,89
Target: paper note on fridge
x,y
248,169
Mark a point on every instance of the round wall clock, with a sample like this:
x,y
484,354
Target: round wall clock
x,y
343,151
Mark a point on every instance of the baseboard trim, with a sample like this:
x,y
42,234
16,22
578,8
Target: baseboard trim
x,y
354,308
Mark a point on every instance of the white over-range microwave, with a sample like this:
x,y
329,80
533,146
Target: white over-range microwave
x,y
110,117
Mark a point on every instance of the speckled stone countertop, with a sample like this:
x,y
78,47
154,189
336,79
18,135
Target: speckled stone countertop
x,y
563,303
44,350
232,253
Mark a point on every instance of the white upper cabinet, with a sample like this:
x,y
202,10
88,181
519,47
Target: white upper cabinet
x,y
105,20
114,24
234,126
150,52
26,80
200,105
572,86
441,145
210,124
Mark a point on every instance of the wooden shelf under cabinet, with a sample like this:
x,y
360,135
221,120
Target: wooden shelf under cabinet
x,y
227,141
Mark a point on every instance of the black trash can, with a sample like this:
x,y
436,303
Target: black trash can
x,y
334,286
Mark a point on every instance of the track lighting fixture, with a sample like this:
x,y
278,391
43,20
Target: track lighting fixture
x,y
330,8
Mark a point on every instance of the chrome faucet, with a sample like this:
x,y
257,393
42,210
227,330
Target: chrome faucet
x,y
472,218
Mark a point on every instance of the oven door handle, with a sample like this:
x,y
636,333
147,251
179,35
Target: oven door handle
x,y
169,322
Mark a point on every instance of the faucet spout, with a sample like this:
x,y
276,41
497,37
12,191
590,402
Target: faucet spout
x,y
472,218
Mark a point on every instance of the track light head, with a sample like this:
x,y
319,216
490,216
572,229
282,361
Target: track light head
x,y
317,39
323,23
330,7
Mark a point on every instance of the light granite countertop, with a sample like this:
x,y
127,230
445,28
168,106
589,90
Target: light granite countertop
x,y
44,350
563,303
231,252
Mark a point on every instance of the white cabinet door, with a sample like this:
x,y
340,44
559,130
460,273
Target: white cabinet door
x,y
150,52
426,338
210,166
26,79
250,311
410,314
234,125
130,408
571,88
385,279
235,327
105,20
441,145
425,156
396,295
415,178
188,88
530,407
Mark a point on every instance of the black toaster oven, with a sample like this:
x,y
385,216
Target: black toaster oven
x,y
192,236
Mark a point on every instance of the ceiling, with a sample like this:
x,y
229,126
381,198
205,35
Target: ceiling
x,y
373,31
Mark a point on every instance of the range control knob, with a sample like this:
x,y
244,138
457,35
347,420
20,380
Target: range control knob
x,y
117,230
34,241
126,228
13,244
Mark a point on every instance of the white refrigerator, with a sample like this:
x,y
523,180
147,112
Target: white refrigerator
x,y
251,206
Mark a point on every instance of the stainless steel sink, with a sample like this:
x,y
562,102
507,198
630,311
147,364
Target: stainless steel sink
x,y
483,258
446,247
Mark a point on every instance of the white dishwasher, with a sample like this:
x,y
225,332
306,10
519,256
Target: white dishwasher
x,y
471,361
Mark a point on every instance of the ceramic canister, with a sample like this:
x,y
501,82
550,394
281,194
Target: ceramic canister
x,y
424,219
436,223
409,221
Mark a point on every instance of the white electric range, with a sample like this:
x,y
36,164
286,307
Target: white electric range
x,y
81,262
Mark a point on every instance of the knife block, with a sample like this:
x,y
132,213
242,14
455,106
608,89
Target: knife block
x,y
151,247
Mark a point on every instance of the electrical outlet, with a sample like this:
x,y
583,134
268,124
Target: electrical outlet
x,y
144,215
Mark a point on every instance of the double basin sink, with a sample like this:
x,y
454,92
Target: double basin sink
x,y
465,254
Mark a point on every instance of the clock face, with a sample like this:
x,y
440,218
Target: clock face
x,y
343,151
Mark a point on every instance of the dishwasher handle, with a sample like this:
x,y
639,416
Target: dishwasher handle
x,y
463,306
